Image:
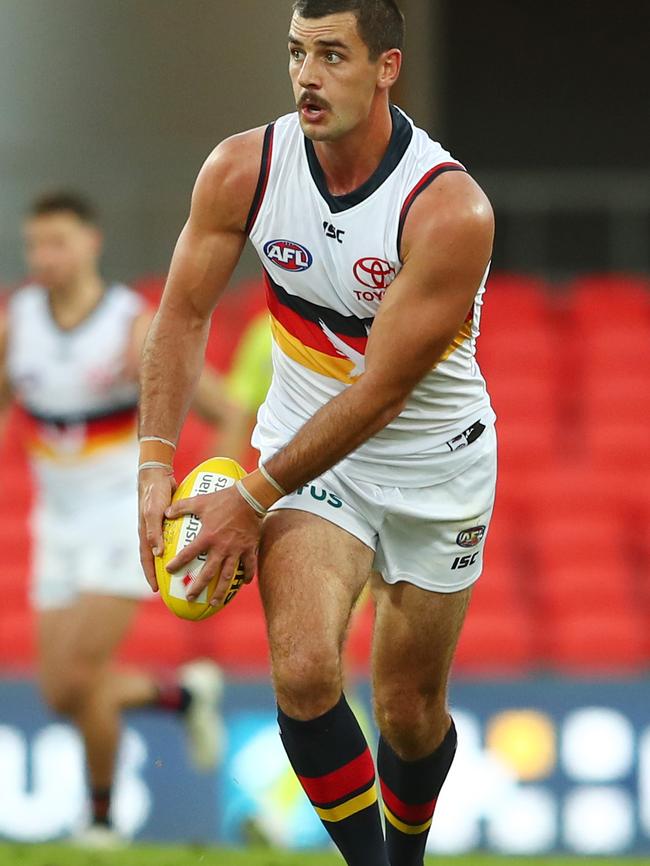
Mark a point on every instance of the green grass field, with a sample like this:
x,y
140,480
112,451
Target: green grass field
x,y
63,855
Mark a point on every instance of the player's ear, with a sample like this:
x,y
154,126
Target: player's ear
x,y
390,65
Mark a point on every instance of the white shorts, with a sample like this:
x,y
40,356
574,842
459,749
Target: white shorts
x,y
90,549
432,537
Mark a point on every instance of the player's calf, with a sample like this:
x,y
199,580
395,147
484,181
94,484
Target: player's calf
x,y
333,763
412,774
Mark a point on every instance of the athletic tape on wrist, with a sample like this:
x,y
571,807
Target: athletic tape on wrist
x,y
154,464
250,500
265,474
157,439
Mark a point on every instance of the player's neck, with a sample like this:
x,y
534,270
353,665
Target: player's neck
x,y
349,162
74,302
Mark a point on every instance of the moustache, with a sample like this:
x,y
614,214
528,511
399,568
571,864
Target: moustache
x,y
310,99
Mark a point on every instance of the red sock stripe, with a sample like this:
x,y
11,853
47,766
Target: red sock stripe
x,y
342,782
409,814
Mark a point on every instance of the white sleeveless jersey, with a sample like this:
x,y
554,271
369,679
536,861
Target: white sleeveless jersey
x,y
328,263
74,387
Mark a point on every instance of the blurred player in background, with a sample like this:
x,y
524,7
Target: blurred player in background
x,y
69,356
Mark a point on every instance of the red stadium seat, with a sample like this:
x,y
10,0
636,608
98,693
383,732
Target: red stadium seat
x,y
516,299
603,582
565,490
499,588
495,643
599,299
615,352
597,642
533,349
518,330
15,588
526,444
567,536
616,444
17,639
523,394
617,397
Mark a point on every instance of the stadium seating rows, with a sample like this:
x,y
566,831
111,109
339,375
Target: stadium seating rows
x,y
567,578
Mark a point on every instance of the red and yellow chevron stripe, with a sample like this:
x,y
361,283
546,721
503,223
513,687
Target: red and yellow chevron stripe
x,y
326,342
407,818
344,792
95,436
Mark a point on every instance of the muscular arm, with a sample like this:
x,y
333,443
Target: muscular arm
x,y
447,246
205,257
206,254
210,401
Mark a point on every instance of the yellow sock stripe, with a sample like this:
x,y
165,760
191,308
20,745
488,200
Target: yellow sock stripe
x,y
351,807
409,829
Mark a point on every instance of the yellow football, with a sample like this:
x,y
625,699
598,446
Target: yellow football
x,y
213,475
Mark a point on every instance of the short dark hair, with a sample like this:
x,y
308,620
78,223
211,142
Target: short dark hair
x,y
65,201
381,22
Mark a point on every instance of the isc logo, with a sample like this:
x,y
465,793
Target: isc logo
x,y
288,255
464,561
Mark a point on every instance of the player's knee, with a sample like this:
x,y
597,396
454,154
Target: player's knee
x,y
307,685
69,693
413,721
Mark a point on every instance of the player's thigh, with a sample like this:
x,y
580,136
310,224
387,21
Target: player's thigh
x,y
311,574
415,637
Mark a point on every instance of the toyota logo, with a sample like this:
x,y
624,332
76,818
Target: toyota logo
x,y
374,273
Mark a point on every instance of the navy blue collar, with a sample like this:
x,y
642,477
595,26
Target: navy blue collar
x,y
399,141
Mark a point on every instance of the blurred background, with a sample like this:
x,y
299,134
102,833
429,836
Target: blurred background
x,y
547,106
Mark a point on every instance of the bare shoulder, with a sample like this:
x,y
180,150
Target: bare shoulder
x,y
453,209
225,187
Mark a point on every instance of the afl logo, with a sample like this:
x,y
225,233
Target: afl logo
x,y
374,273
288,255
471,537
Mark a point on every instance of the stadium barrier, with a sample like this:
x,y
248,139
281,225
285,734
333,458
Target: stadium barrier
x,y
543,766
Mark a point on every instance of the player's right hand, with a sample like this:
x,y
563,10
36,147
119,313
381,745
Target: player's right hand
x,y
155,490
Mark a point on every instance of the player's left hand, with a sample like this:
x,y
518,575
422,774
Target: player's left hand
x,y
230,531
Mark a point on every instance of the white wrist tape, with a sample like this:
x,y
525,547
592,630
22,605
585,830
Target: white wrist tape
x,y
250,500
154,464
265,474
157,439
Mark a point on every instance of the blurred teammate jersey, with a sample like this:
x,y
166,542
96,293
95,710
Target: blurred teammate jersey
x,y
79,394
328,262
